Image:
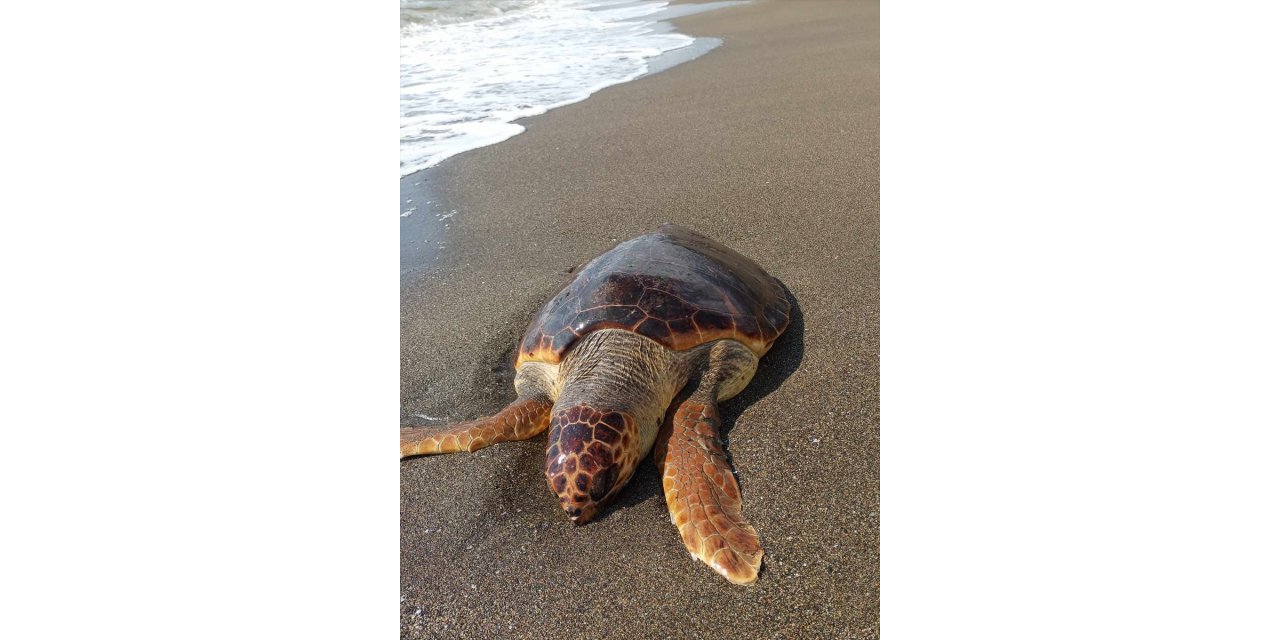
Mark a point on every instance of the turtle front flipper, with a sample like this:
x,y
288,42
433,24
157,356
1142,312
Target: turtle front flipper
x,y
702,493
520,420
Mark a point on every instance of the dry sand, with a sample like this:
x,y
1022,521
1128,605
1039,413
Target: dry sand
x,y
769,144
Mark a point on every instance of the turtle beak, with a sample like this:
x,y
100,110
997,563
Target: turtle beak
x,y
581,492
579,515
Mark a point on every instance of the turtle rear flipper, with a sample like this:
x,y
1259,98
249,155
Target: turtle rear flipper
x,y
703,496
524,418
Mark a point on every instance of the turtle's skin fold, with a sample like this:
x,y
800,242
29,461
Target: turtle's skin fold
x,y
668,320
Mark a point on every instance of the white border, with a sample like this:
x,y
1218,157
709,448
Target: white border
x,y
1080,320
200,345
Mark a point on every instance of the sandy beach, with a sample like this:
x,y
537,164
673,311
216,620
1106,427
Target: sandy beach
x,y
769,144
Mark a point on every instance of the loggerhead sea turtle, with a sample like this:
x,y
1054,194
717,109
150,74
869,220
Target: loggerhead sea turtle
x,y
668,316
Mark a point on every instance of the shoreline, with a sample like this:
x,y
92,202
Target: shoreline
x,y
769,144
422,221
424,208
662,23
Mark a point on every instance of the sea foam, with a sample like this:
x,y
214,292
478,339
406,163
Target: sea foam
x,y
468,69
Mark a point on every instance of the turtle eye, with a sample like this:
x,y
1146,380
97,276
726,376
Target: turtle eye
x,y
602,484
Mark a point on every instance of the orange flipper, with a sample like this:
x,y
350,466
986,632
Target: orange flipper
x,y
703,496
520,420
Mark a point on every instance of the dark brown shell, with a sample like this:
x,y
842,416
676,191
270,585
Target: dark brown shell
x,y
674,286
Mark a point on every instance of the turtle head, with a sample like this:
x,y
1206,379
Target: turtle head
x,y
591,454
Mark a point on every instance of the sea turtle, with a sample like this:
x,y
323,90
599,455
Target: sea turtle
x,y
635,353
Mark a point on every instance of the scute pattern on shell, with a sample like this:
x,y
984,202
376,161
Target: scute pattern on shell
x,y
674,286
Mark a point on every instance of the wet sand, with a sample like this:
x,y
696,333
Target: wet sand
x,y
769,144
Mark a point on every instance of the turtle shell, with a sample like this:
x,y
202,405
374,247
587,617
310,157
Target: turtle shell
x,y
674,286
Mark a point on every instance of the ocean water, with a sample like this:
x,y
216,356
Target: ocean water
x,y
469,68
